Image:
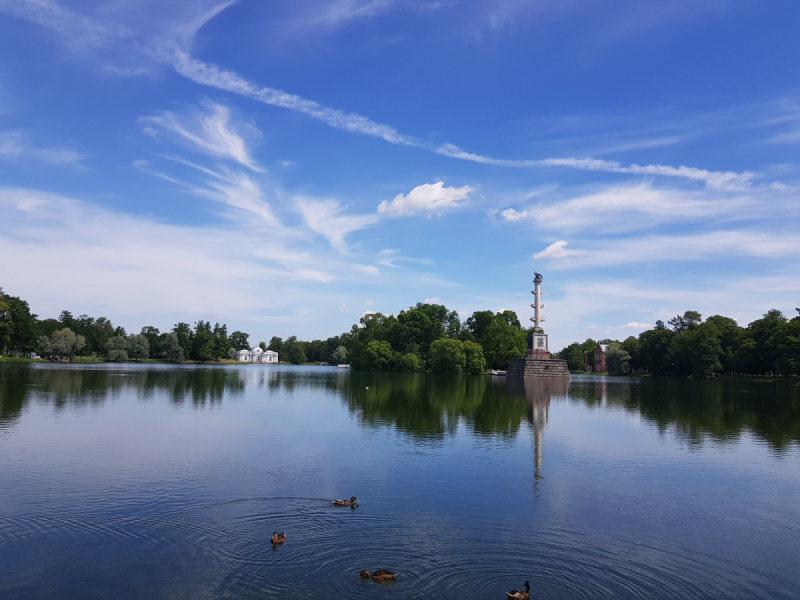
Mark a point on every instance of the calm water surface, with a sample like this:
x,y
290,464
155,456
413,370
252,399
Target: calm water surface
x,y
155,481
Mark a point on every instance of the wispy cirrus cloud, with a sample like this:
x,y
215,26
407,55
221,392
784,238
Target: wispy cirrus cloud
x,y
208,131
14,145
326,218
675,248
165,50
626,208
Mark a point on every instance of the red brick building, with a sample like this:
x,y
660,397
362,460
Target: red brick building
x,y
599,359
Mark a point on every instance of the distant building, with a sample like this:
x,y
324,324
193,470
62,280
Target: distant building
x,y
257,355
599,359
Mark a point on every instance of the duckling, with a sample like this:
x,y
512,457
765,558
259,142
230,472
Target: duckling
x,y
378,575
278,538
519,594
352,502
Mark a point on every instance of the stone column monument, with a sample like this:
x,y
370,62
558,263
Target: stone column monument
x,y
537,361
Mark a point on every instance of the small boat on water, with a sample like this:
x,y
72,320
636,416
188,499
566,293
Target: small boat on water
x,y
343,366
498,373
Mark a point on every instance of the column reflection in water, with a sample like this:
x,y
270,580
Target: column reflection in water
x,y
538,392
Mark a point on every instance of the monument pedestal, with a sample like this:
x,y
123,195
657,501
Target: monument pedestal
x,y
537,367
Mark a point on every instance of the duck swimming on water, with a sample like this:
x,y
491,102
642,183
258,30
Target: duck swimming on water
x,y
519,594
378,575
352,502
278,538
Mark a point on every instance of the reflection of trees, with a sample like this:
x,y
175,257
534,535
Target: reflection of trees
x,y
718,409
430,406
67,386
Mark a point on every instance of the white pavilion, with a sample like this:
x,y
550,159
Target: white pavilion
x,y
257,355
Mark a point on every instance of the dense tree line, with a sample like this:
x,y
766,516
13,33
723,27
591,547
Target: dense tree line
x,y
68,336
690,346
425,336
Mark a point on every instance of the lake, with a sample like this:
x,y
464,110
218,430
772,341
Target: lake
x,y
164,481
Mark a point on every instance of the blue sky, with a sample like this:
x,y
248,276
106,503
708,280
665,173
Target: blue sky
x,y
284,167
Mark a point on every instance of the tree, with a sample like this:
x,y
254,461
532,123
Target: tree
x,y
378,356
573,354
117,348
183,332
447,356
239,340
705,357
689,320
43,346
475,363
503,340
409,363
293,351
171,348
340,355
231,353
631,346
654,349
263,346
138,347
479,322
6,324
617,359
153,340
65,343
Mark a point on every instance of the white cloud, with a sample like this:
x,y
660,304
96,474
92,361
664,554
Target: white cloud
x,y
209,132
636,325
434,300
325,218
625,208
226,186
558,250
168,45
142,267
429,197
687,248
213,76
712,179
13,146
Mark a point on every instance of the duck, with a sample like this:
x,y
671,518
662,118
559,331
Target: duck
x,y
519,594
378,575
278,538
352,502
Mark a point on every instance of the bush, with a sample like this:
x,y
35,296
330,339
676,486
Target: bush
x,y
409,363
377,356
447,356
475,362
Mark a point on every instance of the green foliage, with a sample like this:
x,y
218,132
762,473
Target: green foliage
x,y
475,363
171,348
138,347
153,340
447,356
378,356
409,363
6,323
574,356
503,340
64,343
117,348
239,341
293,351
617,359
340,356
